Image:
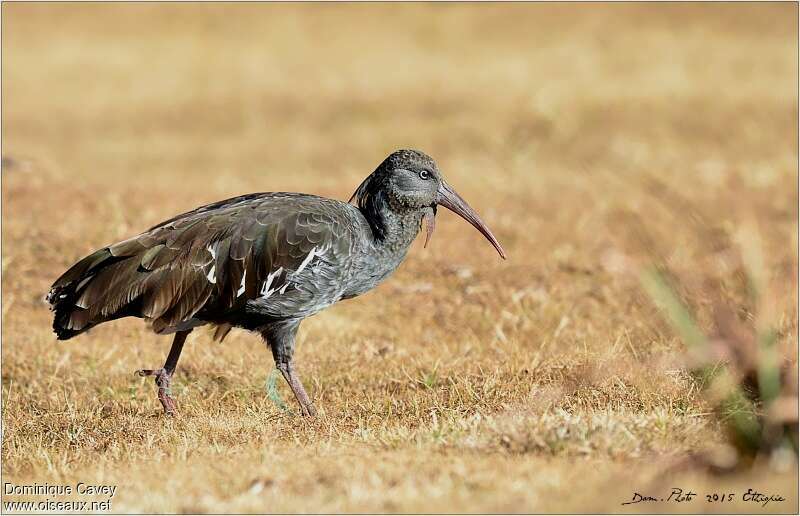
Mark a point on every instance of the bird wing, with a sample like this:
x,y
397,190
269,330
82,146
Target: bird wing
x,y
283,253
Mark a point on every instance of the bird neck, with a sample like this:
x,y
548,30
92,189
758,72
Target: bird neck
x,y
393,227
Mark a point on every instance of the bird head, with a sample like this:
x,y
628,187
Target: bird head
x,y
409,180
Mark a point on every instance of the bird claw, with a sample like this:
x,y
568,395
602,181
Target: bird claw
x,y
149,372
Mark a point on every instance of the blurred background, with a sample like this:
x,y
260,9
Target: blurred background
x,y
638,163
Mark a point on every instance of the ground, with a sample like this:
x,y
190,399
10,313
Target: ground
x,y
547,382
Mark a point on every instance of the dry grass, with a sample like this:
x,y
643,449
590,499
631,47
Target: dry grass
x,y
546,382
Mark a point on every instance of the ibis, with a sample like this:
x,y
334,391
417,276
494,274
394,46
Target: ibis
x,y
262,262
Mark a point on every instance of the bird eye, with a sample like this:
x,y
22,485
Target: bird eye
x,y
424,174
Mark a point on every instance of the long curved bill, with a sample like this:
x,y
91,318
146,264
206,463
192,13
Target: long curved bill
x,y
448,198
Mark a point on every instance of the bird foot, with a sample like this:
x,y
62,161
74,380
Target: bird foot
x,y
308,410
163,378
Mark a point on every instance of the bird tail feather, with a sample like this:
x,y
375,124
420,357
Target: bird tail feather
x,y
70,318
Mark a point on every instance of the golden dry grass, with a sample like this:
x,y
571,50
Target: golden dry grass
x,y
548,382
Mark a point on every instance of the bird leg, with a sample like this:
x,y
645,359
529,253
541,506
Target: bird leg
x,y
280,337
306,407
164,375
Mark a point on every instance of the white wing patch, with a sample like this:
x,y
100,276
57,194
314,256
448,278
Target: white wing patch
x,y
306,260
267,289
212,278
310,256
241,286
